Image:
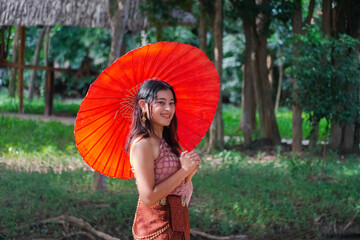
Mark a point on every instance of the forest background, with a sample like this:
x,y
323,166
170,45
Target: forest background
x,y
284,142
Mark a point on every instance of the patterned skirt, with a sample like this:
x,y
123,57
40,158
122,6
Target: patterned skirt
x,y
168,219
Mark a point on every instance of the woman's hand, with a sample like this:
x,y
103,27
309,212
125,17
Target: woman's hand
x,y
190,161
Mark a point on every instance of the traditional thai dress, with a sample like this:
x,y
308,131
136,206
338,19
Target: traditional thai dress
x,y
169,218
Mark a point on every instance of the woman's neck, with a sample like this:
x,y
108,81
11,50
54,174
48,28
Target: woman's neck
x,y
158,132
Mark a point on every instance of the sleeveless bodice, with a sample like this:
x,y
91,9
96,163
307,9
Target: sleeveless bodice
x,y
166,165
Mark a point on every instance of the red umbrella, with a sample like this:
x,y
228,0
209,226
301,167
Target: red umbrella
x,y
104,118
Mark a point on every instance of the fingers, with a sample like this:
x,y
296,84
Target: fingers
x,y
183,153
193,156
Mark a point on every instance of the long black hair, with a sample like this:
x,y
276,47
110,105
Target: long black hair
x,y
148,92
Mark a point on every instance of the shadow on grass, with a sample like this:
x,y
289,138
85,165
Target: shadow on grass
x,y
273,200
29,198
236,195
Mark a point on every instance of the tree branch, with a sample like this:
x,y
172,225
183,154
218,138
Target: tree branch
x,y
80,223
208,236
310,12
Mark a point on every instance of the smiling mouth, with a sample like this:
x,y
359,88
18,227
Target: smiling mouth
x,y
166,115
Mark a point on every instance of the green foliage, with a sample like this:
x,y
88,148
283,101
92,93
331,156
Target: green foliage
x,y
248,10
233,49
326,71
159,12
182,34
73,44
37,106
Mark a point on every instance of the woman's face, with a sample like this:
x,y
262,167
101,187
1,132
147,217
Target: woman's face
x,y
163,109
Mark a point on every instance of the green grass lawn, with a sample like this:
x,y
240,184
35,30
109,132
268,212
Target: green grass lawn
x,y
232,116
262,195
37,106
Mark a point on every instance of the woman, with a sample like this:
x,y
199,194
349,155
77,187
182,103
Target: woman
x,y
163,175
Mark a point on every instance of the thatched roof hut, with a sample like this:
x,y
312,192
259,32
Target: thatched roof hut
x,y
84,13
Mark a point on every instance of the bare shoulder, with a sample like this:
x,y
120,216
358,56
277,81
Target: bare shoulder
x,y
141,144
142,149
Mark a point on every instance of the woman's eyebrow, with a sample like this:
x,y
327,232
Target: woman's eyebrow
x,y
165,99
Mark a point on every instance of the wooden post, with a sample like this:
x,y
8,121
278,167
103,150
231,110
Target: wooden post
x,y
49,90
21,69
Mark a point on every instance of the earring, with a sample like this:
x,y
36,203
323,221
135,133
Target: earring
x,y
143,119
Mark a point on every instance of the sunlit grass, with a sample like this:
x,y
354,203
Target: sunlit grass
x,y
271,198
37,106
232,116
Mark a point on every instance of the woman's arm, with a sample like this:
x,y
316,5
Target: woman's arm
x,y
197,158
142,159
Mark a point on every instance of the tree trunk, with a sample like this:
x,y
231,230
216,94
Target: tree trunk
x,y
326,23
262,86
118,18
248,119
348,143
335,136
46,57
202,28
21,70
35,63
118,12
15,53
278,92
158,33
143,38
346,21
314,135
356,137
296,145
216,139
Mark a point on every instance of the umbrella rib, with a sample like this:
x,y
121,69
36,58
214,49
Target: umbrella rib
x,y
199,102
143,68
132,61
181,82
178,44
106,89
89,136
94,120
198,90
180,66
102,150
112,150
194,132
98,140
90,109
129,80
117,166
197,117
96,98
175,61
157,54
116,81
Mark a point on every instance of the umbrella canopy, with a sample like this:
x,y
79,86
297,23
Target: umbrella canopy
x,y
104,118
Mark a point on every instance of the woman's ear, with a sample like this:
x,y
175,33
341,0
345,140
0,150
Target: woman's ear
x,y
143,105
